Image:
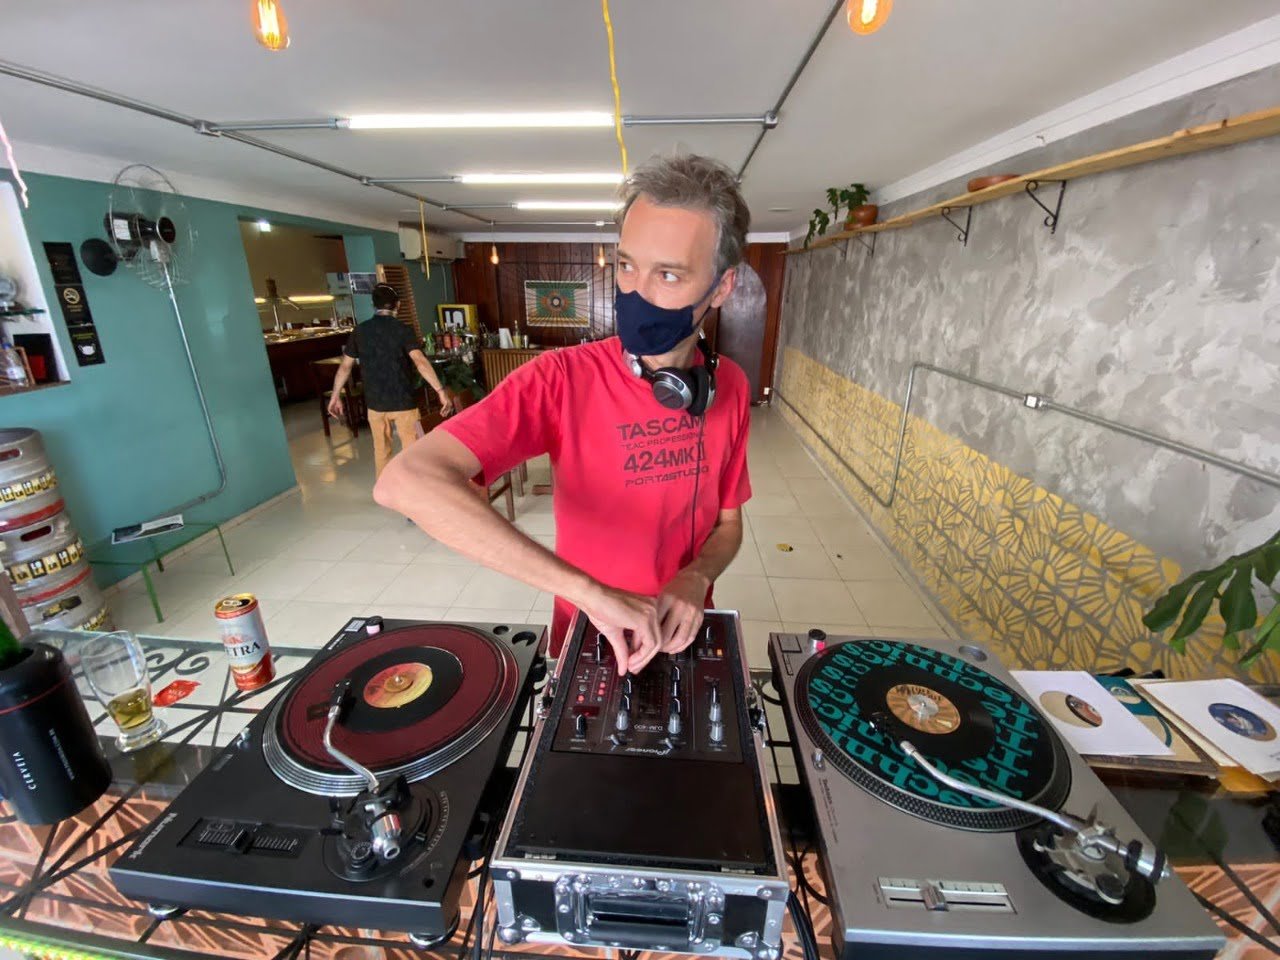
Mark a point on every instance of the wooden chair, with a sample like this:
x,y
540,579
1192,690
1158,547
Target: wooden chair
x,y
354,409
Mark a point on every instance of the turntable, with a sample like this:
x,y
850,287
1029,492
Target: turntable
x,y
360,794
952,819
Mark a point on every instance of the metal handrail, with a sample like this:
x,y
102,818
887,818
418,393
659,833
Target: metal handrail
x,y
1032,401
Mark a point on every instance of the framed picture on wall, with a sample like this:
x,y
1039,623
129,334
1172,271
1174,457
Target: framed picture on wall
x,y
557,303
458,316
363,283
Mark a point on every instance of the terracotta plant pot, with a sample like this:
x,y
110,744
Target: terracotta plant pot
x,y
981,183
863,216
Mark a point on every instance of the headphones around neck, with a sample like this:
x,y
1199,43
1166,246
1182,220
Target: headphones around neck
x,y
693,390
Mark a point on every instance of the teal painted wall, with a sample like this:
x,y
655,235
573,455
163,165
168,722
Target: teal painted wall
x,y
126,437
428,293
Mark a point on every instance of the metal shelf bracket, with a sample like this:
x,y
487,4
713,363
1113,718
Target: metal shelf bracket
x,y
962,233
1051,218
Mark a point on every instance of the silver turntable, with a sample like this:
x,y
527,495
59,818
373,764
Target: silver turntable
x,y
952,819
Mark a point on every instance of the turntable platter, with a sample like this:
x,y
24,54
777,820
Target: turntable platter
x,y
424,696
859,698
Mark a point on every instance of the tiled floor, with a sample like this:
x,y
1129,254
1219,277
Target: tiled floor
x,y
329,552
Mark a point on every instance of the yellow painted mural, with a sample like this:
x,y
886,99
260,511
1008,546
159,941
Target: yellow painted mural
x,y
1039,581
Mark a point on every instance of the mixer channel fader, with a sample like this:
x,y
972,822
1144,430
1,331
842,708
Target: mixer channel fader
x,y
679,706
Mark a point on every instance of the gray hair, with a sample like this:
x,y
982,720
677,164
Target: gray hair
x,y
694,183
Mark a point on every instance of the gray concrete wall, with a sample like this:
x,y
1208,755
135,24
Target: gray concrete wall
x,y
1156,303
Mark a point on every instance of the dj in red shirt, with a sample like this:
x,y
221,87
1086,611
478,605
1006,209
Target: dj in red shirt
x,y
647,434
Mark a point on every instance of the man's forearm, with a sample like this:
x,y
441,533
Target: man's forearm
x,y
718,552
428,371
447,508
340,381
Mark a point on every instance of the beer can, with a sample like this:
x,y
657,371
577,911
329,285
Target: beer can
x,y
244,637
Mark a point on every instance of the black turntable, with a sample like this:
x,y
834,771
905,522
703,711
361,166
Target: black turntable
x,y
954,821
360,794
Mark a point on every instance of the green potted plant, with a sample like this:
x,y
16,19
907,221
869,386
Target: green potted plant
x,y
858,213
1231,584
460,380
853,200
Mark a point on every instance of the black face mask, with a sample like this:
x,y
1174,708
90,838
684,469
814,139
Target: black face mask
x,y
648,330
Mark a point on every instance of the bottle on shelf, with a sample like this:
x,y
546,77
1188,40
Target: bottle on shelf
x,y
10,648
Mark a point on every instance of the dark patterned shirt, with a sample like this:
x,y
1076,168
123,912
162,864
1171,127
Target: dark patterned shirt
x,y
382,344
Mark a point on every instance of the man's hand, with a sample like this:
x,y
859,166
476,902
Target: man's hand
x,y
629,622
446,402
335,405
680,609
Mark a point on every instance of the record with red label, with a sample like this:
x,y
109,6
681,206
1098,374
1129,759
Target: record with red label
x,y
422,697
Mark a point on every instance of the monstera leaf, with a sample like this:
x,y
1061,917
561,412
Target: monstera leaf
x,y
1193,598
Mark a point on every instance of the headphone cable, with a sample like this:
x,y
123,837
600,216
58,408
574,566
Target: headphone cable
x,y
697,476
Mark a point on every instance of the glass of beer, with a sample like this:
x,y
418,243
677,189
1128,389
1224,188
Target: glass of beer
x,y
116,669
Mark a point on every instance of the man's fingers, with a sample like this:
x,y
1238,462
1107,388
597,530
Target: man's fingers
x,y
648,641
621,652
672,621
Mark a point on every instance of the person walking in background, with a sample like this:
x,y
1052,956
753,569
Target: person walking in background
x,y
388,351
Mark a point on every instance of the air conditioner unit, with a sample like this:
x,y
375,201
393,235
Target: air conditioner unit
x,y
443,246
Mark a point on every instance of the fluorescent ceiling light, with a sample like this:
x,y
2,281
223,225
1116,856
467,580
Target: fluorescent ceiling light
x,y
444,121
312,298
259,299
568,204
556,179
264,226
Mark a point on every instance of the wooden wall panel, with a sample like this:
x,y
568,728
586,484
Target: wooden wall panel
x,y
498,293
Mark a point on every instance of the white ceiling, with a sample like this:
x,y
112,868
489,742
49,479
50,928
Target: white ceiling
x,y
941,76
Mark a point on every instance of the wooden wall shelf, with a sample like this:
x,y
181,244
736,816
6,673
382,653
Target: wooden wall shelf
x,y
1209,136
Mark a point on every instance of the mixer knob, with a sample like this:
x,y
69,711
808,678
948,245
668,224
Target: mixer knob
x,y
717,732
623,720
675,687
580,726
675,672
601,645
674,722
716,712
626,685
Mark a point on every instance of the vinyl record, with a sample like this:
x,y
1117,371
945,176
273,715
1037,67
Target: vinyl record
x,y
1242,722
1157,726
422,697
1070,709
858,701
401,687
937,715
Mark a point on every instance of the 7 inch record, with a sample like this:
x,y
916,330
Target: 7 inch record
x,y
400,687
1070,709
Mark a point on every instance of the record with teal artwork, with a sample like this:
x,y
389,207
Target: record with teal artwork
x,y
1186,758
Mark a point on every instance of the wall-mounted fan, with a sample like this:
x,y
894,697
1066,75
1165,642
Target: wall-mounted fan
x,y
147,229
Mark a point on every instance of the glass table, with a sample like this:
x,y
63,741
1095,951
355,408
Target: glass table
x,y
56,899
139,555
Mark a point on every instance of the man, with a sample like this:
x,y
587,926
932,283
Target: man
x,y
647,499
385,346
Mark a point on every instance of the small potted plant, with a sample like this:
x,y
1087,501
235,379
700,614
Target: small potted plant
x,y
1231,584
853,200
859,213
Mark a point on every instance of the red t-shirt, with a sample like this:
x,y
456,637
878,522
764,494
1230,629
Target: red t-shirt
x,y
624,465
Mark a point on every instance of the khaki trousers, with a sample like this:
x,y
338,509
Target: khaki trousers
x,y
380,423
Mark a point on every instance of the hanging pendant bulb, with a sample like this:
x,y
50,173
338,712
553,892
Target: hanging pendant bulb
x,y
867,16
600,259
493,254
269,24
